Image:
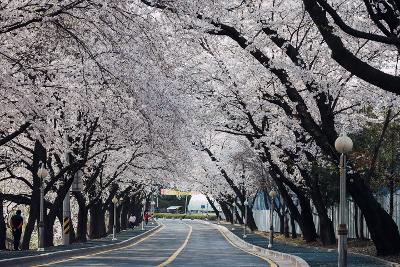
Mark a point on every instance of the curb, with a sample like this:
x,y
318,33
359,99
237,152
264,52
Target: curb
x,y
35,259
295,260
383,261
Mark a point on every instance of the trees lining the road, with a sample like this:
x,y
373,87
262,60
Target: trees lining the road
x,y
196,95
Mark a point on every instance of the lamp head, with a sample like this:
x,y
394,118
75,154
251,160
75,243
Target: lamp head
x,y
42,172
343,144
272,194
114,200
246,203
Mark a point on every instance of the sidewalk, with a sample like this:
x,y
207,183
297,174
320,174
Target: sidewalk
x,y
90,244
314,257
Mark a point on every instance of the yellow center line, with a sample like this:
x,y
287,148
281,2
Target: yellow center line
x,y
270,262
101,252
179,250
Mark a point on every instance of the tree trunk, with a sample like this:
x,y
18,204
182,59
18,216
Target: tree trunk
x,y
124,214
250,218
384,231
391,197
213,206
362,237
293,226
356,222
286,226
281,223
118,222
33,213
226,210
81,231
238,218
97,225
307,220
3,228
39,155
327,232
110,220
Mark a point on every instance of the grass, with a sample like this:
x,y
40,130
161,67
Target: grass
x,y
198,216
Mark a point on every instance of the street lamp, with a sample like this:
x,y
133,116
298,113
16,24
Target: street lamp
x,y
246,203
42,174
233,215
272,194
343,145
115,202
144,207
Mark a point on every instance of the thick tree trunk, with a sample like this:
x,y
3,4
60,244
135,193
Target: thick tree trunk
x,y
304,219
356,222
81,231
250,218
3,228
39,155
213,206
124,215
391,197
226,210
110,220
238,218
384,231
286,226
118,222
293,226
307,220
362,237
327,232
30,224
97,225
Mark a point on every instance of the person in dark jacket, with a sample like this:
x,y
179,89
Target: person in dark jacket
x,y
16,226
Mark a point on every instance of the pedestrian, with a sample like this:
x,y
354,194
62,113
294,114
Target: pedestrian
x,y
16,223
146,217
132,220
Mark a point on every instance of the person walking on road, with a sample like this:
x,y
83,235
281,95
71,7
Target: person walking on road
x,y
146,217
132,220
16,223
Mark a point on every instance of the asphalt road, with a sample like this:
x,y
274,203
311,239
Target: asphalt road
x,y
177,243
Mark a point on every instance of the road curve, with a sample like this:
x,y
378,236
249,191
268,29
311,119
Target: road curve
x,y
177,243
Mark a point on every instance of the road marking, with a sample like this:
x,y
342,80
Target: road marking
x,y
176,253
270,262
101,252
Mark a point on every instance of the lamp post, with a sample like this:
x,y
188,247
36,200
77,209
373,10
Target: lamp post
x,y
42,174
246,203
115,202
272,194
144,207
343,145
233,215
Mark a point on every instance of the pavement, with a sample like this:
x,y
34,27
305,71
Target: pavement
x,y
174,243
313,256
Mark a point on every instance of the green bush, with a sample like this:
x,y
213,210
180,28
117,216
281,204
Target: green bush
x,y
198,216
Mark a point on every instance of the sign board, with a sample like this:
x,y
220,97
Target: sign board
x,y
202,206
171,192
77,185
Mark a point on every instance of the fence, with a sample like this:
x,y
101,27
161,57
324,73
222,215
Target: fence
x,y
262,215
